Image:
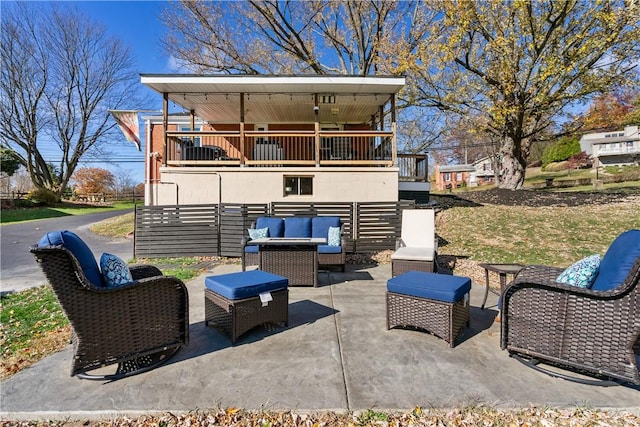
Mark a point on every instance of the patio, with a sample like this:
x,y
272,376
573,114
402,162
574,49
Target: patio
x,y
336,354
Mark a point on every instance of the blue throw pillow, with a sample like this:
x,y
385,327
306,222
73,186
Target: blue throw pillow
x,y
74,244
115,272
334,236
581,273
258,233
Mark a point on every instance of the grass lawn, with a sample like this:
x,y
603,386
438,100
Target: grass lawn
x,y
554,236
62,209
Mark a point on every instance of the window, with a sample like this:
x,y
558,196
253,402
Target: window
x,y
459,176
447,176
298,186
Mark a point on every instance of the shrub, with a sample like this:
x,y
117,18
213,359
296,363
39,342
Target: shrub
x,y
579,161
43,196
556,167
561,150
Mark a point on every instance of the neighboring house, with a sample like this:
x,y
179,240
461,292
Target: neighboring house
x,y
477,173
454,176
259,139
613,148
484,173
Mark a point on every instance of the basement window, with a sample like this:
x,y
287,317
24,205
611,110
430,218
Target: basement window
x,y
298,186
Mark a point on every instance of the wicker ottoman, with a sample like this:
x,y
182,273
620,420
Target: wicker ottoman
x,y
238,302
437,303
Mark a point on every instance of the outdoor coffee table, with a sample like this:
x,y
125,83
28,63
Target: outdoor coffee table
x,y
502,270
294,258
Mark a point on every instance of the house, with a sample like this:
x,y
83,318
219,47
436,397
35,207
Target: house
x,y
613,148
484,173
475,174
259,139
454,176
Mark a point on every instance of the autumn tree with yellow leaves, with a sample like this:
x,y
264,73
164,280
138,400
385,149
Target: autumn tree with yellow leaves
x,y
93,180
518,66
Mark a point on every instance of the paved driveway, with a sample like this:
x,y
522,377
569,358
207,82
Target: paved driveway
x,y
18,269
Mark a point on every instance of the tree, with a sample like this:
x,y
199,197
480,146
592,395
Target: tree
x,y
123,182
21,181
563,149
285,37
519,65
612,110
93,180
61,72
9,164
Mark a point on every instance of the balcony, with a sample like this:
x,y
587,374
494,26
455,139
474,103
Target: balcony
x,y
280,148
617,148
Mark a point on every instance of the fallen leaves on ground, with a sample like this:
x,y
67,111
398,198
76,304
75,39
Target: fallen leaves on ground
x,y
467,416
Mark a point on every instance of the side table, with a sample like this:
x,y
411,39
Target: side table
x,y
502,270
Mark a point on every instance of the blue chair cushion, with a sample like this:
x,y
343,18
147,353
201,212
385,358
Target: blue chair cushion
x,y
297,227
79,249
115,272
275,225
251,249
320,225
618,261
245,284
581,273
439,287
328,249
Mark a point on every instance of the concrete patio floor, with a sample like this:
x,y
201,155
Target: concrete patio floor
x,y
336,354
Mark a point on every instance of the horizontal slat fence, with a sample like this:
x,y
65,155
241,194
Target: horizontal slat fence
x,y
235,219
378,224
342,210
175,231
209,230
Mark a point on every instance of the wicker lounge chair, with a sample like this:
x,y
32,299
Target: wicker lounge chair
x,y
595,332
138,325
416,249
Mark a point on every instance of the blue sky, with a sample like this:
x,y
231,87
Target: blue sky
x,y
137,23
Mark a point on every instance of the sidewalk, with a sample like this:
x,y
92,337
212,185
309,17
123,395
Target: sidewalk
x,y
336,354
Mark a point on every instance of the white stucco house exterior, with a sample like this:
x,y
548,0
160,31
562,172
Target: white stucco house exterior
x,y
613,148
257,139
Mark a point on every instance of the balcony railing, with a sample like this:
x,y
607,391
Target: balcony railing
x,y
280,148
618,148
413,167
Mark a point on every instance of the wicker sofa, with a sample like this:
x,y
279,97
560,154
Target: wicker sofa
x,y
595,332
317,226
135,326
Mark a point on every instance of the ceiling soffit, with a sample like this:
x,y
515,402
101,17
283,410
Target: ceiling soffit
x,y
219,103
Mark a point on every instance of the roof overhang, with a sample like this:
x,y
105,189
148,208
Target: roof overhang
x,y
457,168
277,99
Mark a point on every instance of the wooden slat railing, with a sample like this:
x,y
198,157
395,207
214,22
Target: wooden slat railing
x,y
280,148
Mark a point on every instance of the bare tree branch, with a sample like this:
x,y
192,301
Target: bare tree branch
x,y
60,75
